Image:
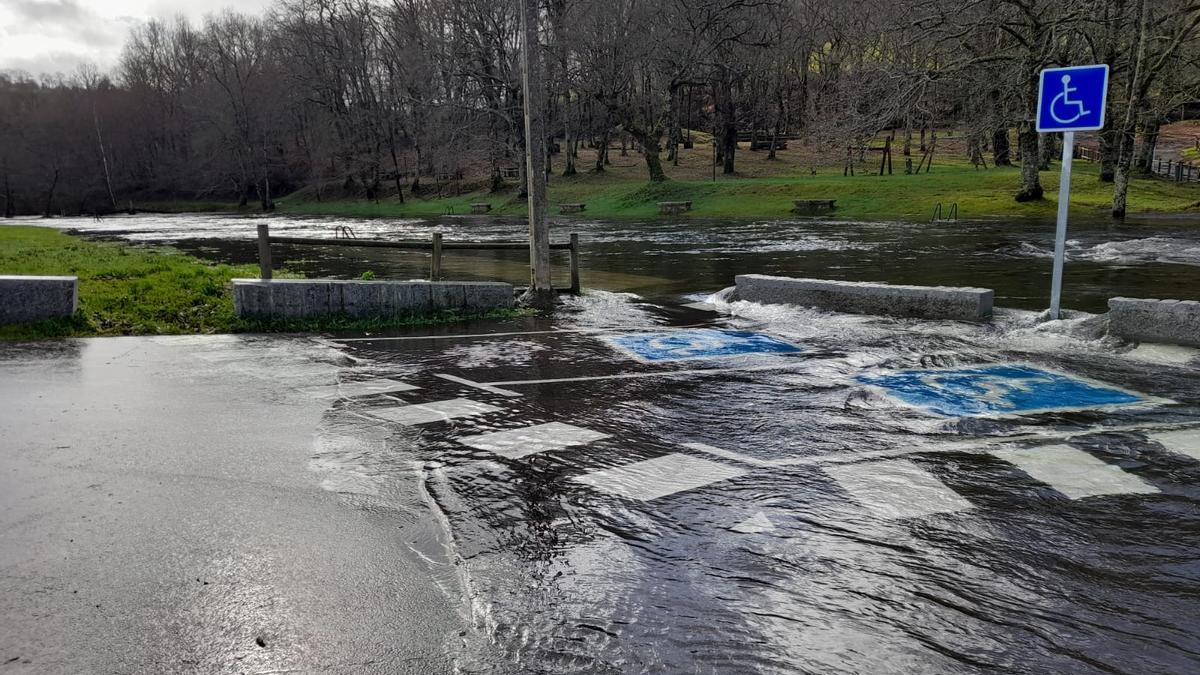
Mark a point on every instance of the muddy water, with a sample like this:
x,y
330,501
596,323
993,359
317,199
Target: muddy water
x,y
657,259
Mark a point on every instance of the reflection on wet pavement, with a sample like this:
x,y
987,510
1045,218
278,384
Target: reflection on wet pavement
x,y
770,511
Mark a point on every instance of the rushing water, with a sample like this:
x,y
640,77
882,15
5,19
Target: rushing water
x,y
660,258
784,564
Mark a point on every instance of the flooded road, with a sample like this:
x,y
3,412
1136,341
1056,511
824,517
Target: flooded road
x,y
778,511
658,479
660,259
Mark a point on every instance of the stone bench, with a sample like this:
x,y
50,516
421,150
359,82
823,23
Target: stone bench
x,y
571,208
674,208
480,208
1148,320
813,205
858,297
319,298
31,298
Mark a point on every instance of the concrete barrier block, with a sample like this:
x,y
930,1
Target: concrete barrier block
x,y
858,297
1150,320
484,296
315,298
447,296
33,298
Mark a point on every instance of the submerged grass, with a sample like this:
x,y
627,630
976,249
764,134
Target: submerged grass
x,y
127,290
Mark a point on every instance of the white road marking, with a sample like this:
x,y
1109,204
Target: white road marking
x,y
896,489
518,443
659,477
1183,442
654,373
969,446
478,385
559,331
362,388
755,524
434,411
1073,472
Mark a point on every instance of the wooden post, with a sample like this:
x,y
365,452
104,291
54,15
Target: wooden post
x,y
435,270
264,251
575,288
541,291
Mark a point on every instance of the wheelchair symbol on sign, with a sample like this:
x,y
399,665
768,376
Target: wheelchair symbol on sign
x,y
1064,100
994,391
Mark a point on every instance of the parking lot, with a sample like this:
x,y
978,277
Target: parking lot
x,y
698,490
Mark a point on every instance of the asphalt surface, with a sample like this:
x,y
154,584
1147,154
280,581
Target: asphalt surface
x,y
158,514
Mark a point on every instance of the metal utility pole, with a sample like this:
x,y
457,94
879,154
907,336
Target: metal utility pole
x,y
541,292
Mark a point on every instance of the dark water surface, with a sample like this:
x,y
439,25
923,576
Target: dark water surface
x,y
1157,257
775,514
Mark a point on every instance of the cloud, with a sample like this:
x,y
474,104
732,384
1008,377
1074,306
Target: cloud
x,y
57,35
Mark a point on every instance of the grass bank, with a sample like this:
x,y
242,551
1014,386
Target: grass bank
x,y
767,187
126,290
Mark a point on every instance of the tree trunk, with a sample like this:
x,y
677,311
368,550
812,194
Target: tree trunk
x,y
1108,154
1045,151
1001,148
1145,159
1027,142
653,163
602,152
10,209
1121,175
50,196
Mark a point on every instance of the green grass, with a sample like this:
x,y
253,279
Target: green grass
x,y
125,290
979,193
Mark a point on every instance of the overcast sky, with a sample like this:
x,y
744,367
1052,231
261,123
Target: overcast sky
x,y
48,36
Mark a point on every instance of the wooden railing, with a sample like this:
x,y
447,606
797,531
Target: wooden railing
x,y
436,245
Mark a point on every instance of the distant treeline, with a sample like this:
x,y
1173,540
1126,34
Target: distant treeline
x,y
379,98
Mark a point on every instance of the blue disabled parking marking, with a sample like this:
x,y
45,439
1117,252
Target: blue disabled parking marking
x,y
699,343
997,390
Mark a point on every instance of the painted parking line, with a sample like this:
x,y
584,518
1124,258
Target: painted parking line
x,y
895,489
434,411
518,443
1183,441
755,524
659,477
478,385
1073,472
361,388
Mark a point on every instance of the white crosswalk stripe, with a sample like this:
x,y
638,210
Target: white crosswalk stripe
x,y
1073,472
1183,442
896,489
361,388
659,477
434,411
518,443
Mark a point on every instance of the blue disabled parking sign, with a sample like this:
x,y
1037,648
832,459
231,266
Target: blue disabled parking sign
x,y
698,343
997,390
1072,99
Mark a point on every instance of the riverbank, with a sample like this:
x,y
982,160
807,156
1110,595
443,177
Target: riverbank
x,y
128,290
979,193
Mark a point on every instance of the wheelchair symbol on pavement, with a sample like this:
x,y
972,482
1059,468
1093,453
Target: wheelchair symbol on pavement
x,y
1064,100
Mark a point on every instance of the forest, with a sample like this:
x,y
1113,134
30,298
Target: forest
x,y
381,99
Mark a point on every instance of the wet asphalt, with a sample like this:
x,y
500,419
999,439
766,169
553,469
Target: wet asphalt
x,y
542,495
158,514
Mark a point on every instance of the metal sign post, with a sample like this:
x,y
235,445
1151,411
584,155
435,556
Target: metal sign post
x,y
1069,100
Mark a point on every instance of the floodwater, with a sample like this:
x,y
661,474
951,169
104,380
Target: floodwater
x,y
602,511
659,259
